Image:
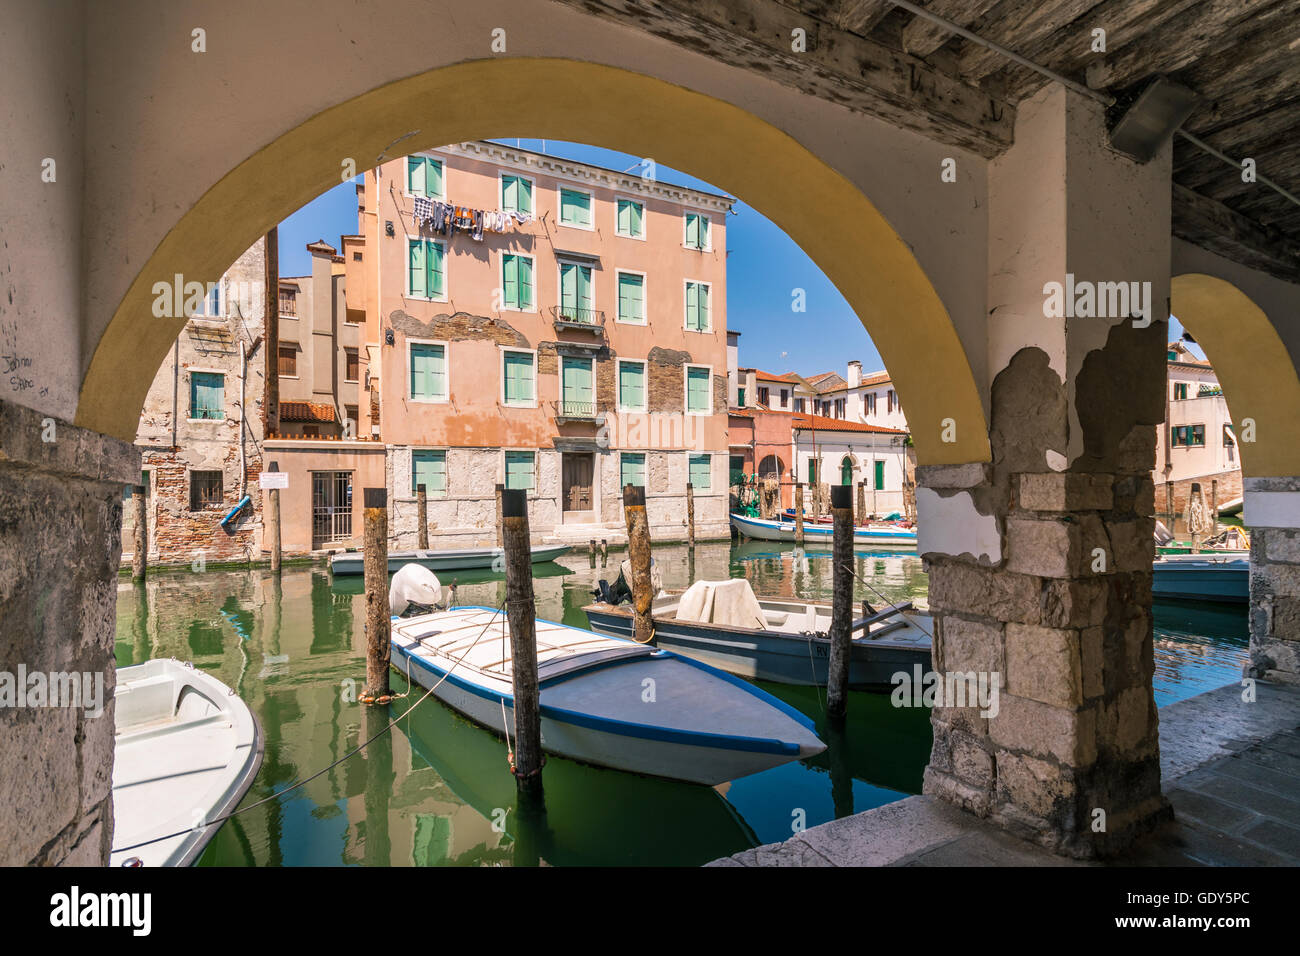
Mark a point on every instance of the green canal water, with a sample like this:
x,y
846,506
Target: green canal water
x,y
437,790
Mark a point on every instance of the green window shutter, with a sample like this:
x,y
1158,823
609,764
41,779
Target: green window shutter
x,y
702,310
519,469
692,306
510,280
692,231
629,218
433,255
415,175
576,386
575,208
207,395
432,177
585,302
812,471
519,377
697,389
525,273
637,212
416,270
631,384
704,232
516,195
429,468
428,370
575,291
525,197
700,469
632,469
631,298
880,475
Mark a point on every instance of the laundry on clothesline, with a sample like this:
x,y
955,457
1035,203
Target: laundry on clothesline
x,y
446,218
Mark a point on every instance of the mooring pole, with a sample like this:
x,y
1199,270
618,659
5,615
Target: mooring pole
x,y
638,547
521,613
378,626
140,560
837,683
273,522
501,541
1214,505
690,515
798,513
422,506
1169,505
604,550
862,501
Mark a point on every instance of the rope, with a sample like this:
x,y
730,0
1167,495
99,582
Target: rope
x,y
849,568
351,753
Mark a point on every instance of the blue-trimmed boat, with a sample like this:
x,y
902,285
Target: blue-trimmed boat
x,y
1205,576
605,701
880,535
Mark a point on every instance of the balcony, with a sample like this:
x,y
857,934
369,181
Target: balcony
x,y
587,320
590,413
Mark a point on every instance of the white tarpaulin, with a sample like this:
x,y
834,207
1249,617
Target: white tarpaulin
x,y
731,603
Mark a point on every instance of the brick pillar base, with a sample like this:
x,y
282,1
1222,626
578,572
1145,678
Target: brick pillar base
x,y
1067,754
60,542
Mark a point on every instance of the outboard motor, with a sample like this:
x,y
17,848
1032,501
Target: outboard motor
x,y
415,589
621,589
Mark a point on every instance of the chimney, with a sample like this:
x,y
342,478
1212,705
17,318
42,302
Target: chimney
x,y
854,377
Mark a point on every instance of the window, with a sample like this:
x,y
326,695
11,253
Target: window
x,y
1228,440
517,195
631,385
577,387
697,231
764,395
839,408
697,306
353,371
700,469
1180,391
575,208
1197,437
428,364
521,469
144,483
880,476
356,257
207,395
351,419
870,400
812,471
517,282
890,401
288,302
288,362
428,468
798,404
1173,356
631,216
576,303
631,297
1188,436
846,470
631,469
740,397
205,490
785,398
519,378
698,399
426,277
212,301
424,176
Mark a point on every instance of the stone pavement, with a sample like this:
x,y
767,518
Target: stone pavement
x,y
1231,770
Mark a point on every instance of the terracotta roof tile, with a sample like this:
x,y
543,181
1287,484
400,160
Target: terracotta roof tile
x,y
306,412
823,423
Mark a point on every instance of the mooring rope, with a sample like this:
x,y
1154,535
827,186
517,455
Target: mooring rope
x,y
352,753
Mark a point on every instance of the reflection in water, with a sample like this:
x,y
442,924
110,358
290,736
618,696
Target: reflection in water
x,y
437,790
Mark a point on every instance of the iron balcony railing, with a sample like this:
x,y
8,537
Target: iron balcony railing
x,y
571,317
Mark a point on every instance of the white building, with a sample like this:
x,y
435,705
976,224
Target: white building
x,y
835,452
1198,441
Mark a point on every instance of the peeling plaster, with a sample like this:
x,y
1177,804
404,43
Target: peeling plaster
x,y
952,525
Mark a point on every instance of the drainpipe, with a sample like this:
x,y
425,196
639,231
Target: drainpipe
x,y
243,415
176,385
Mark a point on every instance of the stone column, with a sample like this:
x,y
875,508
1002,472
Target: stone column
x,y
1272,513
60,544
1040,561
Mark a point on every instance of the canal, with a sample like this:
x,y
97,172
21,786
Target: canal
x,y
437,790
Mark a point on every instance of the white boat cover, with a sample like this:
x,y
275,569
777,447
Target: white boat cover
x,y
730,603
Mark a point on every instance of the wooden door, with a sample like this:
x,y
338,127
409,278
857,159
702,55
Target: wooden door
x,y
577,472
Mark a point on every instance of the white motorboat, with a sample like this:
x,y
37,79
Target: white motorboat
x,y
452,559
877,535
605,701
188,749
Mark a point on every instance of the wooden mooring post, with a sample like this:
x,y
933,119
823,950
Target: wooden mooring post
x,y
1214,506
378,626
140,559
521,613
690,515
862,501
798,513
638,547
837,681
501,541
422,508
272,519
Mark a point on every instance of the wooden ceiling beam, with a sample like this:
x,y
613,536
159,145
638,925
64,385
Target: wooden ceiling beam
x,y
1213,226
921,37
1018,25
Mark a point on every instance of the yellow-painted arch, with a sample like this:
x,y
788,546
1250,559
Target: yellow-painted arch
x,y
830,218
1254,369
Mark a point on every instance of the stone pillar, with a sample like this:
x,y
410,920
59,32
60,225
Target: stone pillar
x,y
1040,561
60,544
1272,513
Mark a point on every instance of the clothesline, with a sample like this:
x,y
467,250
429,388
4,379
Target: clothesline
x,y
445,218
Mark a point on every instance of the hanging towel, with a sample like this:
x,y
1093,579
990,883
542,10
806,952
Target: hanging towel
x,y
423,211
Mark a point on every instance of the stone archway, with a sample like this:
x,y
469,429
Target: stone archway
x,y
859,251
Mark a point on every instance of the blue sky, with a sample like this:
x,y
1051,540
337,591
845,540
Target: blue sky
x,y
763,268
